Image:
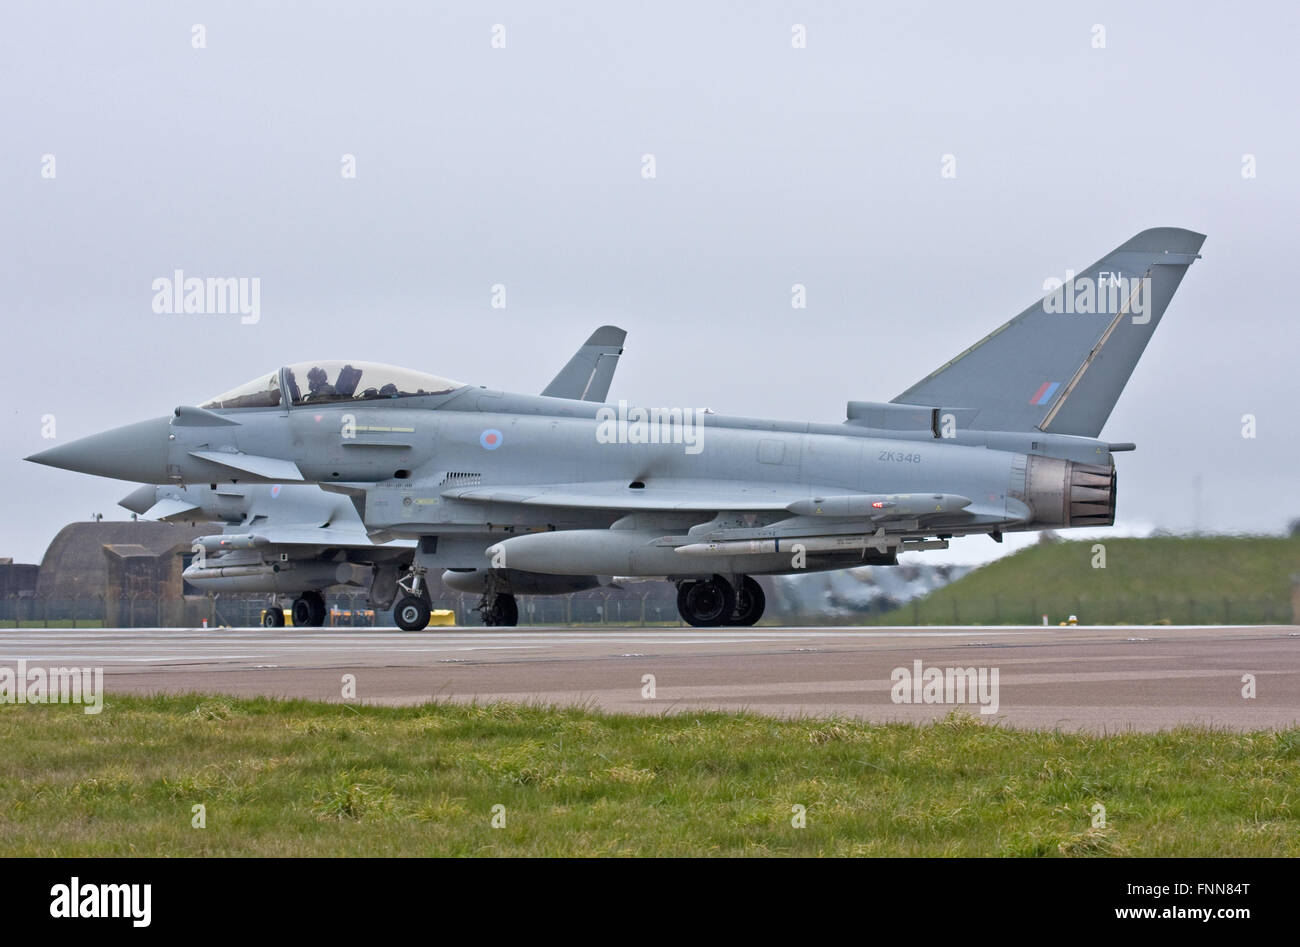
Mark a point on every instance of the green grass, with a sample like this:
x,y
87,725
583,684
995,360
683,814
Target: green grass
x,y
1167,579
304,778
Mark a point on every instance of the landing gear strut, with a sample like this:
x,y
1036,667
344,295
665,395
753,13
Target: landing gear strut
x,y
411,612
498,608
501,610
309,610
750,602
711,602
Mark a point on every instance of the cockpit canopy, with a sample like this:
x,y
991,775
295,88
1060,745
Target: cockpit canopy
x,y
311,383
261,392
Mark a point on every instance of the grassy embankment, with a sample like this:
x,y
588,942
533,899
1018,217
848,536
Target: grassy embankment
x,y
1167,579
302,778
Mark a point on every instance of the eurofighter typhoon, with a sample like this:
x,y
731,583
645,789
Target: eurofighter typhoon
x,y
533,494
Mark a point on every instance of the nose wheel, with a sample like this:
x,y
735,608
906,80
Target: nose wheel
x,y
411,613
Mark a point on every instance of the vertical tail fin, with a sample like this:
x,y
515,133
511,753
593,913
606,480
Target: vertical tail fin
x,y
1061,364
588,375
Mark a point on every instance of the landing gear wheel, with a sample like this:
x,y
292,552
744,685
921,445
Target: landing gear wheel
x,y
273,617
411,613
503,611
706,603
309,610
750,602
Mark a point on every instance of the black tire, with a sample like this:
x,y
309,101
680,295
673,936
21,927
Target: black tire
x,y
706,603
750,602
309,610
273,618
503,613
411,613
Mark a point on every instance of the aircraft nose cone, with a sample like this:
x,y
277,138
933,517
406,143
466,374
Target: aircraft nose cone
x,y
135,452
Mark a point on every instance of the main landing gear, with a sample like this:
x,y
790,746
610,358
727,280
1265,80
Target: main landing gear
x,y
308,610
499,610
711,602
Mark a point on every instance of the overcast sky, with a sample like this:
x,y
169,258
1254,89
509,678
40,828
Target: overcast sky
x,y
523,166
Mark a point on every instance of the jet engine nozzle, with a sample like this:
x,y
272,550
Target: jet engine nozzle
x,y
1066,493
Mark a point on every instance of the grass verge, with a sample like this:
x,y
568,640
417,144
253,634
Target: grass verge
x,y
305,778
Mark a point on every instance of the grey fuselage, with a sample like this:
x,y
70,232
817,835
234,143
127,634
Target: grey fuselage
x,y
403,460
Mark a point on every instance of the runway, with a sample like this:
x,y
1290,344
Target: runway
x,y
1100,679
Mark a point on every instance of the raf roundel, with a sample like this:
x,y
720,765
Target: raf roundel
x,y
490,439
275,491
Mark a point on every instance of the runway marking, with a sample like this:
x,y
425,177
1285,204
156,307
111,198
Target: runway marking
x,y
1087,677
118,659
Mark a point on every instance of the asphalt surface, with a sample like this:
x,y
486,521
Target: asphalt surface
x,y
1101,679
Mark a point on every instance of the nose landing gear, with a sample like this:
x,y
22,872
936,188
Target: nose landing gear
x,y
411,611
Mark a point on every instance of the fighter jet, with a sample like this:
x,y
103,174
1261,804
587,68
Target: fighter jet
x,y
513,493
294,541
